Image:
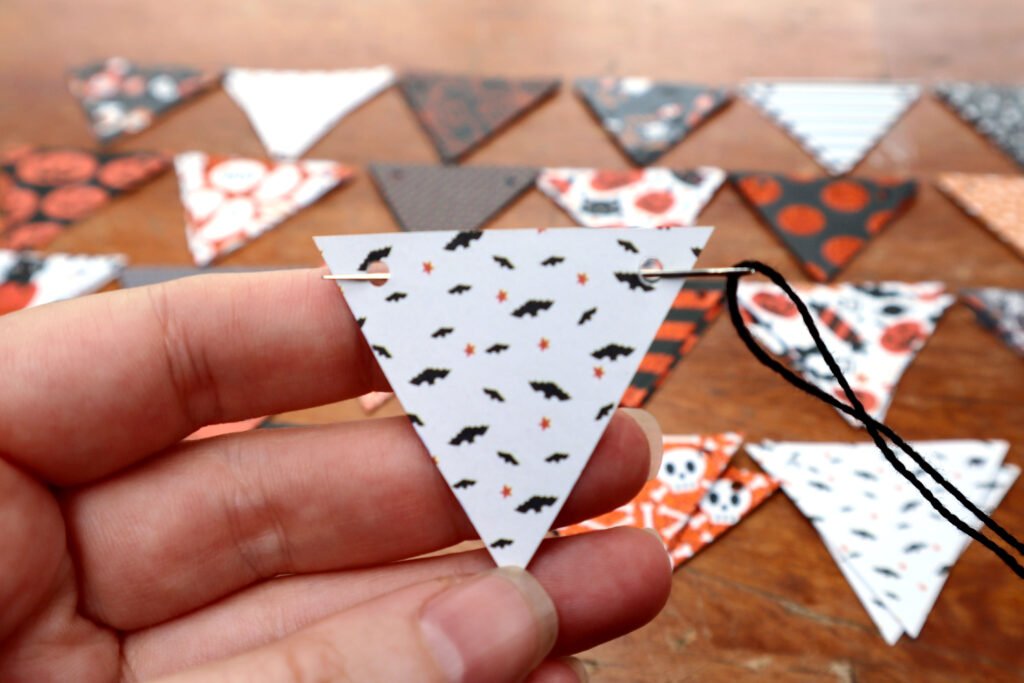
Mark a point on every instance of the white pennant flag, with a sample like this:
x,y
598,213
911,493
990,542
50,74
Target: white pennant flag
x,y
511,349
836,122
893,548
291,110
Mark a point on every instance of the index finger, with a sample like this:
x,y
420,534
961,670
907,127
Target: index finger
x,y
94,384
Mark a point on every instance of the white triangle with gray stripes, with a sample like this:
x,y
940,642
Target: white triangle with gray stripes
x,y
837,122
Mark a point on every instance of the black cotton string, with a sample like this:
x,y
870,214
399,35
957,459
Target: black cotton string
x,y
879,431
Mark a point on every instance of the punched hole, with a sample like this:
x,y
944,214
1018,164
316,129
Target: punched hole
x,y
378,267
650,264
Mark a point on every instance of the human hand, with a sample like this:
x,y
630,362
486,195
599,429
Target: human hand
x,y
272,554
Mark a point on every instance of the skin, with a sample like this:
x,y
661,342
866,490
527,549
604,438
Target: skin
x,y
129,554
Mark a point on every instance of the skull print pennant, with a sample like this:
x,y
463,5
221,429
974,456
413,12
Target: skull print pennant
x,y
32,279
510,350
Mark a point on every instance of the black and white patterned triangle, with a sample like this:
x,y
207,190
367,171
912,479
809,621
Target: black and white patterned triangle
x,y
511,348
836,122
995,110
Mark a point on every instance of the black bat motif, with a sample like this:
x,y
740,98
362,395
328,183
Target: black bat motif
x,y
602,206
612,352
464,483
532,308
815,518
508,457
629,246
442,332
945,569
914,547
536,504
463,239
907,507
605,411
863,534
503,262
587,315
550,389
375,255
885,571
361,321
820,485
865,475
494,394
468,435
497,348
634,280
891,595
556,457
976,462
502,543
381,351
414,419
459,289
552,260
696,251
396,296
429,376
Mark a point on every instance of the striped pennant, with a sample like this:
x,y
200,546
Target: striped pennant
x,y
695,307
837,123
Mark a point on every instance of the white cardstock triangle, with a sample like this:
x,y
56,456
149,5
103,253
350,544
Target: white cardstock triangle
x,y
512,349
836,122
291,110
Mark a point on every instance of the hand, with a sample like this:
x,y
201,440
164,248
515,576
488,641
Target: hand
x,y
271,554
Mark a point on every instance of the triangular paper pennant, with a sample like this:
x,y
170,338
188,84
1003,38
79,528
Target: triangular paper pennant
x,y
30,279
461,112
874,331
825,222
838,122
641,198
428,197
997,201
995,111
647,118
690,465
508,350
232,200
698,303
44,190
290,110
895,550
121,97
731,498
1001,311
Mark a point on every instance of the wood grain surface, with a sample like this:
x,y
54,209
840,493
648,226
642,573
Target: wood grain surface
x,y
765,601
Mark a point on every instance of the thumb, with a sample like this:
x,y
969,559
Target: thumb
x,y
495,626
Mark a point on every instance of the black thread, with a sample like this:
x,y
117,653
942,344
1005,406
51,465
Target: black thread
x,y
856,409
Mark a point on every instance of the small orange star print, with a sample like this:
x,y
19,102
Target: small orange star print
x,y
582,278
428,267
502,296
470,349
544,344
545,423
506,491
598,371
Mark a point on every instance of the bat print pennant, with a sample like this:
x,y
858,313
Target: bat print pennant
x,y
123,98
639,198
290,109
996,201
647,118
43,190
690,465
508,351
32,279
1001,311
837,123
874,330
232,200
996,111
825,222
892,547
429,197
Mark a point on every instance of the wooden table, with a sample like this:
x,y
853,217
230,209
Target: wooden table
x,y
766,600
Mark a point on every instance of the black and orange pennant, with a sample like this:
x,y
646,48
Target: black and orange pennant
x,y
825,222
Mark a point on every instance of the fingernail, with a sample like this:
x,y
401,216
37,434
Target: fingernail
x,y
578,668
651,430
502,620
657,535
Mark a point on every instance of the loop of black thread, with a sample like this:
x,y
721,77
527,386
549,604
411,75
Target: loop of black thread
x,y
856,409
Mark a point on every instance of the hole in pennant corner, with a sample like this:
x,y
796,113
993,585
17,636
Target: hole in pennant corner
x,y
650,264
378,267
